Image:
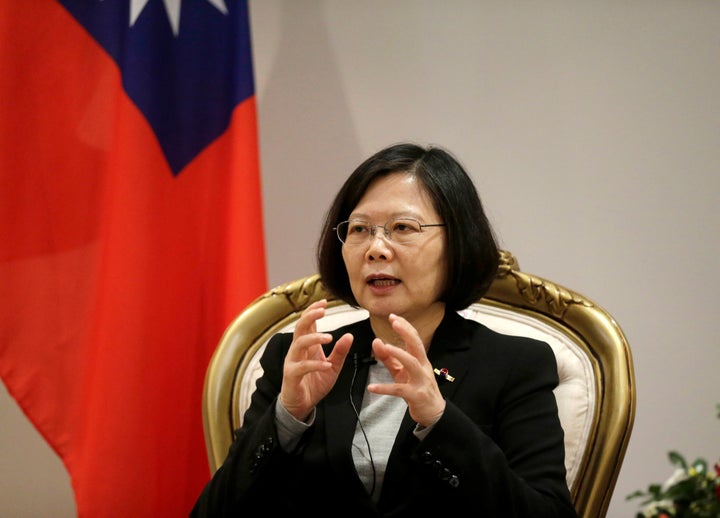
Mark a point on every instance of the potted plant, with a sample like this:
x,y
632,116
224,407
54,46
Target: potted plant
x,y
692,491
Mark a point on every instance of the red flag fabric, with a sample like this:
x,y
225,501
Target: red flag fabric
x,y
130,233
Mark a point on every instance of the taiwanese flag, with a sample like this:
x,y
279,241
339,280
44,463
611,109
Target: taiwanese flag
x,y
130,232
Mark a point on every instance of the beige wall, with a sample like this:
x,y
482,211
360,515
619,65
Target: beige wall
x,y
592,129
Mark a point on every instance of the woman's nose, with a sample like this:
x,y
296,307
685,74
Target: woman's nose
x,y
380,246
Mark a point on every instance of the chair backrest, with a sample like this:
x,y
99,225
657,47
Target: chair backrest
x,y
596,394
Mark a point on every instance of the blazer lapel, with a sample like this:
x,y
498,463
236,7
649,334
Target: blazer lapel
x,y
448,353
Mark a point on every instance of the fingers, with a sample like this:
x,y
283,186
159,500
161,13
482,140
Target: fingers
x,y
306,353
340,351
307,321
308,374
402,366
413,378
406,331
307,341
411,353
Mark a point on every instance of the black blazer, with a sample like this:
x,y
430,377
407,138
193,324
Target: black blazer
x,y
497,451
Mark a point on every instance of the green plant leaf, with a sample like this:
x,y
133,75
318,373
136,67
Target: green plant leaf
x,y
677,459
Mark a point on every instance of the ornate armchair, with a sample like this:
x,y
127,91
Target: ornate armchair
x,y
596,394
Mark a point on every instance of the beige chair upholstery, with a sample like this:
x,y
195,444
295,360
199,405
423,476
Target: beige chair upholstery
x,y
596,394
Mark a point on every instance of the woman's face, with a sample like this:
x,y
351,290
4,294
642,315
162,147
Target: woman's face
x,y
389,277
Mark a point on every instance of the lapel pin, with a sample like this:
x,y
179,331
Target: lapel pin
x,y
443,373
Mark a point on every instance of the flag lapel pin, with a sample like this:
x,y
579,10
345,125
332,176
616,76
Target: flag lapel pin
x,y
443,373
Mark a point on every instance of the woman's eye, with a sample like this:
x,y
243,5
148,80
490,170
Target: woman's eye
x,y
405,227
358,229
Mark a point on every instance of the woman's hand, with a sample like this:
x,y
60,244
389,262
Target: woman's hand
x,y
308,375
412,372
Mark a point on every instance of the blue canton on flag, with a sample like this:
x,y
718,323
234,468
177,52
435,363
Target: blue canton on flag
x,y
185,64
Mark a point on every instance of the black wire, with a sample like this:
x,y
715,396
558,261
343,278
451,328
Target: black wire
x,y
362,429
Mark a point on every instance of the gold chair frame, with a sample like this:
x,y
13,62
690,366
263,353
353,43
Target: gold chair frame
x,y
570,313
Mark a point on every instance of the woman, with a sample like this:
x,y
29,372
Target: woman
x,y
415,410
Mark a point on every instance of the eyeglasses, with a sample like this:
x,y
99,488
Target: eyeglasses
x,y
401,230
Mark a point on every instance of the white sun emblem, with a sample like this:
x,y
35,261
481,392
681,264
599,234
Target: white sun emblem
x,y
172,8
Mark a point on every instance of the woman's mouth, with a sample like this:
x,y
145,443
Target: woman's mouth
x,y
381,283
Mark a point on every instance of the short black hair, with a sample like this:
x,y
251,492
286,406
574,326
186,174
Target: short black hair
x,y
472,250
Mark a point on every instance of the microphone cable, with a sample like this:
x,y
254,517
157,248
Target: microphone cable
x,y
356,362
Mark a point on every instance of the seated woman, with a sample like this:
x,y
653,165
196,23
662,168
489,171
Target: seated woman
x,y
415,410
